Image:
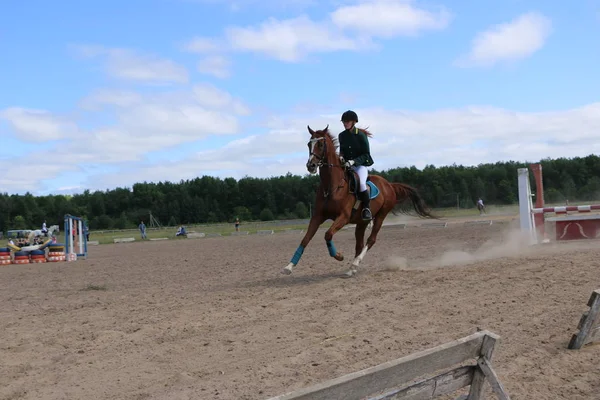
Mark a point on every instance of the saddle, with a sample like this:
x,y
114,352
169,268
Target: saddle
x,y
353,185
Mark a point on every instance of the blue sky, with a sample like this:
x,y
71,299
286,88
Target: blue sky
x,y
97,95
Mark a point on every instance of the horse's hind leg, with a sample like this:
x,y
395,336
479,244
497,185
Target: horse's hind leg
x,y
359,235
377,224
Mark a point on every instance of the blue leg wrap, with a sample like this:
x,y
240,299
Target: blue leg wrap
x,y
331,247
297,254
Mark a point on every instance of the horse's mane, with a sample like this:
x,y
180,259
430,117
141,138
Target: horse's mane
x,y
334,139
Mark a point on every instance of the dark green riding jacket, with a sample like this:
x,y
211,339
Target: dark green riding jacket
x,y
354,145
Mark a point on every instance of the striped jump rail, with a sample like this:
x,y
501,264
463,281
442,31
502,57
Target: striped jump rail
x,y
565,209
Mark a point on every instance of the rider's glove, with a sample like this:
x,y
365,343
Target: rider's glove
x,y
349,163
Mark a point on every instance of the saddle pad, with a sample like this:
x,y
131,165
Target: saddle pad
x,y
374,190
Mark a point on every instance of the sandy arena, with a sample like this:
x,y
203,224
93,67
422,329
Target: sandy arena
x,y
214,319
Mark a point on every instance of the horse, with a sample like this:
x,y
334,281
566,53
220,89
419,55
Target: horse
x,y
481,208
38,232
336,199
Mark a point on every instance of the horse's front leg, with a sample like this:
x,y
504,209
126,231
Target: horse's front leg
x,y
313,226
338,224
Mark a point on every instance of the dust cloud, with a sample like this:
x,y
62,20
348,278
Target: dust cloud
x,y
512,243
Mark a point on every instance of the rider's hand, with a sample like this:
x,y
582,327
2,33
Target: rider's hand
x,y
349,163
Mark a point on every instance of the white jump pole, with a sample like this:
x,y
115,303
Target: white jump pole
x,y
73,252
526,206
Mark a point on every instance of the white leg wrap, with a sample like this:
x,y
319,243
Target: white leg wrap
x,y
288,269
360,257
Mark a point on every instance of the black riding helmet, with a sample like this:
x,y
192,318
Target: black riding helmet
x,y
349,116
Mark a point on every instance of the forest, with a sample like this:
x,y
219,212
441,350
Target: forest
x,y
208,199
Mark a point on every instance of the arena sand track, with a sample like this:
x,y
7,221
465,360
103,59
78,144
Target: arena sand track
x,y
214,319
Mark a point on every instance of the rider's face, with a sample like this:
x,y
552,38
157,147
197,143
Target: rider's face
x,y
348,124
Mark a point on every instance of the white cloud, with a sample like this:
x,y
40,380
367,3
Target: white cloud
x,y
131,65
38,125
348,28
511,41
142,124
202,45
213,97
116,97
215,65
467,136
292,39
390,18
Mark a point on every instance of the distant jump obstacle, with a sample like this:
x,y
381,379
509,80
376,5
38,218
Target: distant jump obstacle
x,y
75,238
532,219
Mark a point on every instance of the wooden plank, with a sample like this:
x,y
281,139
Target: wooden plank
x,y
435,225
587,327
156,239
479,222
240,233
293,231
437,386
123,240
492,378
93,243
584,317
487,350
265,232
593,336
394,226
358,385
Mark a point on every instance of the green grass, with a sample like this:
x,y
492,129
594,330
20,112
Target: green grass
x,y
469,212
169,232
277,226
226,229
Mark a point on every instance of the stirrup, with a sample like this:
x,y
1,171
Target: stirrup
x,y
366,215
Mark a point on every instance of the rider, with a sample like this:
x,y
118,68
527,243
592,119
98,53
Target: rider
x,y
44,229
356,154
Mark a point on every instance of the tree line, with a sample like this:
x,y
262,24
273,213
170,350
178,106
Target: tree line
x,y
208,199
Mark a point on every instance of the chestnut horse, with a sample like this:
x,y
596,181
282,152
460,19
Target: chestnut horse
x,y
336,200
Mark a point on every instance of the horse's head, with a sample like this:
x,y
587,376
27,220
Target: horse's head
x,y
317,148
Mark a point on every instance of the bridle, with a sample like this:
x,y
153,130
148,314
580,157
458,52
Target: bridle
x,y
322,162
321,159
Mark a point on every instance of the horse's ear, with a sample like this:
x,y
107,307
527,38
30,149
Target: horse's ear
x,y
326,128
310,130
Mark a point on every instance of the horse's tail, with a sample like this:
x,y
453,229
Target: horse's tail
x,y
406,192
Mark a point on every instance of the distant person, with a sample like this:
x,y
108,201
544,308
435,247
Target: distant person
x,y
44,228
181,231
142,227
237,224
480,206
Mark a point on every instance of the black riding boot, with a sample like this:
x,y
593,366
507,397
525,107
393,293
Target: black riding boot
x,y
366,212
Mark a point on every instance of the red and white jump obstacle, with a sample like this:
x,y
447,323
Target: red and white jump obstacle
x,y
532,219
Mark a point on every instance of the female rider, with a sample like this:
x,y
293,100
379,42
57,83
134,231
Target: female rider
x,y
356,154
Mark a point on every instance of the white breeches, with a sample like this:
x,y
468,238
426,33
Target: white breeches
x,y
362,172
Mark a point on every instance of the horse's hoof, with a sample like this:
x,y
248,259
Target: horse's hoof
x,y
349,274
287,270
339,257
